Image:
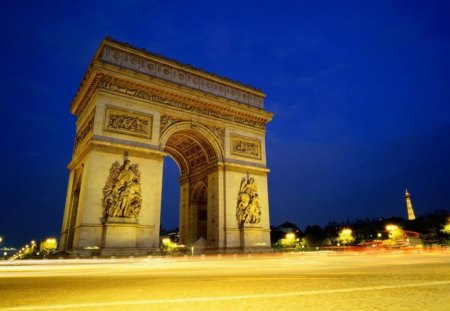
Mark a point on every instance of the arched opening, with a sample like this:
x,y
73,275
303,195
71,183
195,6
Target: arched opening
x,y
170,201
199,211
77,179
190,150
195,152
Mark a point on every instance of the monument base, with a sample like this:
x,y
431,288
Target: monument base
x,y
254,237
119,252
120,233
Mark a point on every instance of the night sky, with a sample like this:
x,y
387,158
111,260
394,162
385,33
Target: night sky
x,y
360,92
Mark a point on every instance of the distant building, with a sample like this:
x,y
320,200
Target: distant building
x,y
409,207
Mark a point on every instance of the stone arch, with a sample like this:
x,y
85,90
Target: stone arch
x,y
191,145
199,192
195,149
138,107
199,211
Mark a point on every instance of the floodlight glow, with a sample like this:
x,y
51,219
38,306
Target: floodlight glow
x,y
290,236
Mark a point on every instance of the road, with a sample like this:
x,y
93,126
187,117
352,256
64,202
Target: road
x,y
317,281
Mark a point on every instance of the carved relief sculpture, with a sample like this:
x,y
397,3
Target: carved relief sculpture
x,y
248,209
128,123
219,132
83,133
133,105
122,192
167,72
118,86
245,147
166,121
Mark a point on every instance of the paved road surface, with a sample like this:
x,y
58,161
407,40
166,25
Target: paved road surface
x,y
319,281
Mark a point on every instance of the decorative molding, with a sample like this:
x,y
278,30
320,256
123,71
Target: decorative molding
x,y
219,132
86,91
85,130
248,208
245,147
166,121
122,192
115,85
166,71
128,122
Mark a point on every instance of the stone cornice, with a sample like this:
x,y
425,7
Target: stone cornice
x,y
125,56
120,58
104,80
114,145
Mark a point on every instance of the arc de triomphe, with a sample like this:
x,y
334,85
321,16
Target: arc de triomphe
x,y
134,108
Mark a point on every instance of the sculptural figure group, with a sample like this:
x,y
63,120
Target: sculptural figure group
x,y
122,192
248,209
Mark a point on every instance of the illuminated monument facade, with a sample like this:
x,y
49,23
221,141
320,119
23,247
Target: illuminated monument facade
x,y
133,109
409,206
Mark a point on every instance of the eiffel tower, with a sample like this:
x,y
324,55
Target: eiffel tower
x,y
409,206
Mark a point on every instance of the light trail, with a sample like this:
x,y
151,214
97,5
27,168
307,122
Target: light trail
x,y
221,298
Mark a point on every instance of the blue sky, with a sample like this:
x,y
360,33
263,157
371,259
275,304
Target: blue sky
x,y
359,91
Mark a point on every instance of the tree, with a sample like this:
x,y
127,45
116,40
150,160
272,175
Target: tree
x,y
289,241
395,232
47,246
446,227
346,236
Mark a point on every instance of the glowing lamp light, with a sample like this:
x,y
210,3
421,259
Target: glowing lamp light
x,y
391,227
290,236
347,231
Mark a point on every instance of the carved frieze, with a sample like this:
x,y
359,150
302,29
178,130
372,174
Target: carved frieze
x,y
245,147
152,67
85,130
248,208
122,192
118,86
126,122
